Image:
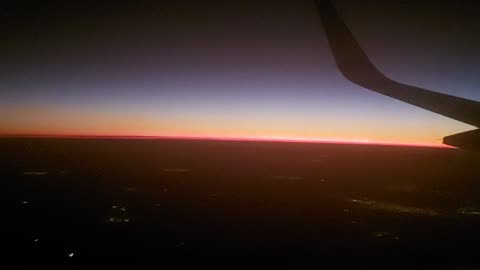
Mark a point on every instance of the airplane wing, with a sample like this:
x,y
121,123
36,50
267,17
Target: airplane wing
x,y
356,67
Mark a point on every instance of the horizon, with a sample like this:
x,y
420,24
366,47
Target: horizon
x,y
252,69
217,138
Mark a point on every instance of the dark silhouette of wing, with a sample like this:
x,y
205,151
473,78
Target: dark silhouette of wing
x,y
356,67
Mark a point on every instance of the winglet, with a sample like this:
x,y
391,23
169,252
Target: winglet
x,y
357,67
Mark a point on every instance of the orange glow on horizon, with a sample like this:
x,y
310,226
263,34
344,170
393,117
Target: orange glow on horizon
x,y
228,138
42,121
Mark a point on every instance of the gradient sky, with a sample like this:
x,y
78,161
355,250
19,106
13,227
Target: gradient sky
x,y
230,69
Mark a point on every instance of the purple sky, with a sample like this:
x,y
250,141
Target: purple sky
x,y
247,69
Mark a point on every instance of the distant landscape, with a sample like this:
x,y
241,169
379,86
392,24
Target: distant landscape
x,y
75,201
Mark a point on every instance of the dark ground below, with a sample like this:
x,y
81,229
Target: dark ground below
x,y
178,203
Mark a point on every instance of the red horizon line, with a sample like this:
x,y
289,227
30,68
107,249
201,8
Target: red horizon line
x,y
216,138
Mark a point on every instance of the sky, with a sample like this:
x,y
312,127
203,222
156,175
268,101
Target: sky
x,y
230,69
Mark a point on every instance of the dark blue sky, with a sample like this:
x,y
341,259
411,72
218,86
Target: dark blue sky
x,y
219,68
